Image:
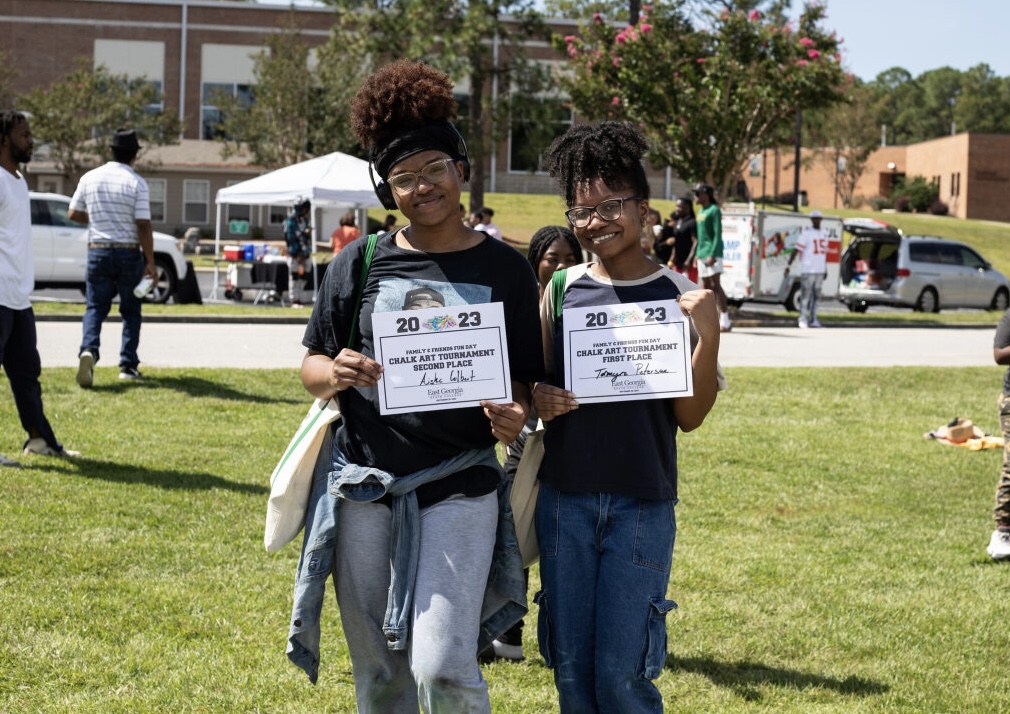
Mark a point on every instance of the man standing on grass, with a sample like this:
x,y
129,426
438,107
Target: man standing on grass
x,y
812,247
19,352
114,203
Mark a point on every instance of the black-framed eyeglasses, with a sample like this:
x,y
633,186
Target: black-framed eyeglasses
x,y
609,210
435,172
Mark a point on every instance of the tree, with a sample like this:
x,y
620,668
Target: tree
x,y
467,41
846,134
294,111
77,115
707,98
984,102
902,94
940,91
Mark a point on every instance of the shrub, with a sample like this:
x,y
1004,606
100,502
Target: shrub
x,y
879,203
920,193
939,208
903,204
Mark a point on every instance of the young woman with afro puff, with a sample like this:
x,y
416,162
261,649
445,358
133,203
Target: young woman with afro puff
x,y
608,482
427,572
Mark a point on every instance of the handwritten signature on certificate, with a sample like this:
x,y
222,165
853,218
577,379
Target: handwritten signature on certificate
x,y
627,351
441,357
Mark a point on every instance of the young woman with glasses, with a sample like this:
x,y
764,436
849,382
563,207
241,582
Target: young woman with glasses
x,y
605,512
413,632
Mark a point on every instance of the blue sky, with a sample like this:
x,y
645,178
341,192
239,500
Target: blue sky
x,y
918,35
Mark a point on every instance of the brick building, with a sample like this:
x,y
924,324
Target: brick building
x,y
972,172
191,49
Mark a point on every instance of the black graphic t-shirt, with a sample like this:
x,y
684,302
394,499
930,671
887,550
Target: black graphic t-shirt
x,y
400,279
626,447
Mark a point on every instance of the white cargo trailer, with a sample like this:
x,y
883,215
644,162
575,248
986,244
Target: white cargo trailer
x,y
756,248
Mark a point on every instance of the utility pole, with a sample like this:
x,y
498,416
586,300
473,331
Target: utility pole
x,y
796,163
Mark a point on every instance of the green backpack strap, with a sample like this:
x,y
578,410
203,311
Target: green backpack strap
x,y
558,290
373,238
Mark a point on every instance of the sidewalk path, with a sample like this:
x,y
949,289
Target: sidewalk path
x,y
258,345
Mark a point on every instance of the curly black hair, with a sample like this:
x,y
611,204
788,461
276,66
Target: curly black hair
x,y
611,151
400,96
543,239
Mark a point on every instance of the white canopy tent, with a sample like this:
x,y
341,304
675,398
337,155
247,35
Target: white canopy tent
x,y
335,181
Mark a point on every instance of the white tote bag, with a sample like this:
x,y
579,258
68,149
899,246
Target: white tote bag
x,y
291,480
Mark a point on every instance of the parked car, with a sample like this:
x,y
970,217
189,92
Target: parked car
x,y
61,250
881,266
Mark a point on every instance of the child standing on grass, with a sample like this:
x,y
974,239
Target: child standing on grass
x,y
605,513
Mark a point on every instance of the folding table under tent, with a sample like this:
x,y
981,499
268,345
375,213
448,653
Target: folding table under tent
x,y
335,181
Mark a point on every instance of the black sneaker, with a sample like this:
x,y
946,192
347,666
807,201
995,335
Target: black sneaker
x,y
129,373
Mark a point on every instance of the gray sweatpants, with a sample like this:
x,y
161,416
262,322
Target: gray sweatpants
x,y
439,667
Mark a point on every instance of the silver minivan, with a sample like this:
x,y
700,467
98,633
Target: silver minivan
x,y
926,273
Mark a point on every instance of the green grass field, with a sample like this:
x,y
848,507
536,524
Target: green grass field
x,y
829,559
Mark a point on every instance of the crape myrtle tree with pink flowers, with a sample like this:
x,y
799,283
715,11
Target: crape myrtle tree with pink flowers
x,y
708,93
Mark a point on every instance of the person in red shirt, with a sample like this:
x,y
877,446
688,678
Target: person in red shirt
x,y
345,232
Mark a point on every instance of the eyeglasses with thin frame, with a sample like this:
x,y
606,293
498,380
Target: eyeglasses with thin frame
x,y
609,210
435,172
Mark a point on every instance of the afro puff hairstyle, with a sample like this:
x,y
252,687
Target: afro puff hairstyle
x,y
398,97
611,151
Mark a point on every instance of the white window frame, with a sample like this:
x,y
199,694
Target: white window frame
x,y
154,187
204,203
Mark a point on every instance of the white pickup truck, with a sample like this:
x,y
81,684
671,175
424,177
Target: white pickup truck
x,y
61,250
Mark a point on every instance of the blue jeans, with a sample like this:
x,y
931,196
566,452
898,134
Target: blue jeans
x,y
111,272
19,356
604,567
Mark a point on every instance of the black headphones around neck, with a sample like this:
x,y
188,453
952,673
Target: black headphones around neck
x,y
384,192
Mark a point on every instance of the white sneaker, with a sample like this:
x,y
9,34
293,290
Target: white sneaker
x,y
86,369
803,324
503,650
39,447
999,545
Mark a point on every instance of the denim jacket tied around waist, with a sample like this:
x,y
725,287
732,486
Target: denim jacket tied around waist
x,y
504,597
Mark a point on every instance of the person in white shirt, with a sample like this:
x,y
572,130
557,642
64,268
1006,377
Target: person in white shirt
x,y
486,214
19,352
113,201
812,248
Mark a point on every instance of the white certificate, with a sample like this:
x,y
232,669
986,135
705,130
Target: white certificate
x,y
627,351
441,357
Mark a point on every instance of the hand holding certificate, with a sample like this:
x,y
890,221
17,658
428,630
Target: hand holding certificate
x,y
441,357
627,351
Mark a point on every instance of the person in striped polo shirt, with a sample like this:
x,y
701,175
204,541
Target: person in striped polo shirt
x,y
113,201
